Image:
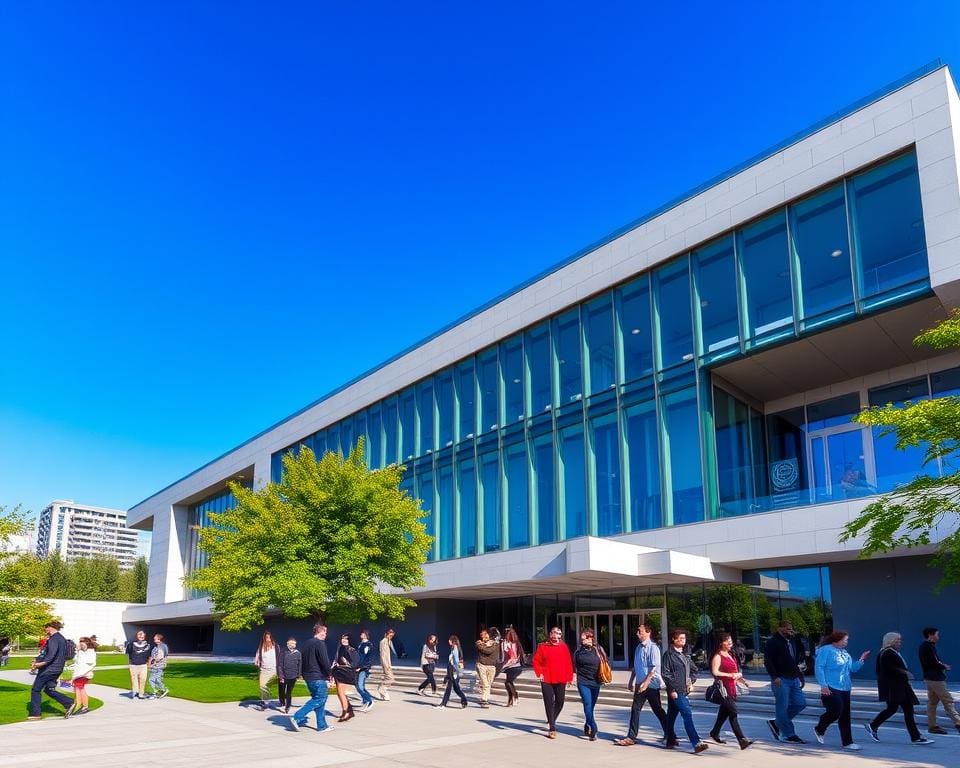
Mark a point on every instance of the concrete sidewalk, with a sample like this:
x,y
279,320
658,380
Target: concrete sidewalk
x,y
408,731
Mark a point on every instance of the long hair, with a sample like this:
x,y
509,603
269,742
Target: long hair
x,y
513,637
267,635
455,641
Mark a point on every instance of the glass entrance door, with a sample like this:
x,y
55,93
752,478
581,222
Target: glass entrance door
x,y
614,631
839,465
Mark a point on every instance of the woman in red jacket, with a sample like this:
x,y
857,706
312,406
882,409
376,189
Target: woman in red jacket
x,y
554,668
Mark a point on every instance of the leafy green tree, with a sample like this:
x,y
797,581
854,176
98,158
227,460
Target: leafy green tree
x,y
22,576
23,616
323,542
56,579
140,572
12,523
927,507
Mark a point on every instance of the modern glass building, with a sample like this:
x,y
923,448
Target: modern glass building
x,y
660,426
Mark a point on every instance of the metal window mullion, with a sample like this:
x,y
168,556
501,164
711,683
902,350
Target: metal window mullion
x,y
853,244
793,265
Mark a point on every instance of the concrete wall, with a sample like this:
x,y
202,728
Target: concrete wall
x,y
872,597
82,618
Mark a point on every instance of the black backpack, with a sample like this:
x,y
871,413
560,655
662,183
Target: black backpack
x,y
71,651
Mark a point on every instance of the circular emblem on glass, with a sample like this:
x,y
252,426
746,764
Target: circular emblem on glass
x,y
784,474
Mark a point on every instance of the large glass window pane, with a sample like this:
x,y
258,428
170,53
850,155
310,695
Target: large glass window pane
x,y
821,248
517,500
566,331
447,532
320,444
426,433
634,300
347,440
574,485
511,362
276,467
835,412
600,346
360,430
787,469
333,439
375,438
425,494
488,383
888,227
444,384
538,368
681,433
734,466
390,431
898,467
672,285
643,466
407,425
765,265
466,401
490,501
605,445
717,289
543,473
467,496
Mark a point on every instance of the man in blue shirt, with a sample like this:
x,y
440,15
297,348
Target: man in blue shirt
x,y
49,665
646,682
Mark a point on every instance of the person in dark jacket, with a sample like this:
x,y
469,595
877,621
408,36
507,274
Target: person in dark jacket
x,y
138,654
893,687
288,671
935,677
367,657
316,674
586,663
679,673
49,664
782,656
345,668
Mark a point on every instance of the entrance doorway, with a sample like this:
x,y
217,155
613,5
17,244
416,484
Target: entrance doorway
x,y
614,631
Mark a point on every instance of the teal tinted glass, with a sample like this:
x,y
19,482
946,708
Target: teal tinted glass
x,y
681,418
894,466
716,278
635,331
511,363
425,432
544,483
360,427
673,309
466,401
467,495
333,439
389,431
765,265
537,346
444,392
566,331
605,443
347,439
643,466
518,505
821,249
600,344
447,532
734,459
490,501
375,438
425,494
408,420
488,384
574,484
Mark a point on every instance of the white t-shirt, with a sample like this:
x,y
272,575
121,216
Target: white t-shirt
x,y
83,664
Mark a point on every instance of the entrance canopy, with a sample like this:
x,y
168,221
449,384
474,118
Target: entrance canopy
x,y
582,564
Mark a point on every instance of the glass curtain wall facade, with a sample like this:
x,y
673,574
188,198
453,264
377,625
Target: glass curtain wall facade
x,y
604,419
198,517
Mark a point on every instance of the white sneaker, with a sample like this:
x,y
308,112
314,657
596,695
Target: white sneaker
x,y
818,736
853,747
922,740
872,733
324,730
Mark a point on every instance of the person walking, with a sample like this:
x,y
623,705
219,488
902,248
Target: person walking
x,y
4,651
893,687
48,666
726,668
586,664
935,678
782,657
679,674
454,667
289,669
81,671
386,665
345,668
554,668
267,660
488,652
317,675
138,657
646,683
158,665
428,663
365,651
834,666
513,655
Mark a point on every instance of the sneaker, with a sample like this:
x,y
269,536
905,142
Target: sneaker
x,y
439,706
938,730
774,729
324,730
870,730
819,736
35,717
795,739
853,747
83,710
366,707
701,747
421,692
294,724
922,740
162,694
68,714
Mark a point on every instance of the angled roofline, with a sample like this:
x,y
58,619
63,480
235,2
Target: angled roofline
x,y
795,138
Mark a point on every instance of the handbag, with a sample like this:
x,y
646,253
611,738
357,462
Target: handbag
x,y
716,692
604,673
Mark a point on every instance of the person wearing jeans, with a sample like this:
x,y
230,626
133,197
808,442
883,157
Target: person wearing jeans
x,y
365,650
834,666
554,668
646,682
679,674
893,687
586,663
158,665
317,674
782,658
454,665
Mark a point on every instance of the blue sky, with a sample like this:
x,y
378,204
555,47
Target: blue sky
x,y
213,213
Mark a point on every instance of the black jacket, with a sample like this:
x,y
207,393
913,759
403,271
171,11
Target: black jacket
x,y
678,671
316,660
54,653
367,655
933,667
893,685
290,666
777,658
138,653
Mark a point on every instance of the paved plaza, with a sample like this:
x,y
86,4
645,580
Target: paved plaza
x,y
408,731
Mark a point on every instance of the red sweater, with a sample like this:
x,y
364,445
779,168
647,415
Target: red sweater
x,y
553,663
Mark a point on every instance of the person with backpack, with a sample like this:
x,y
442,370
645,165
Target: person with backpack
x,y
138,655
4,651
81,671
158,665
511,651
48,666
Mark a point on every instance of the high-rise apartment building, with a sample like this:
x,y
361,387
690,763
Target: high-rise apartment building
x,y
81,530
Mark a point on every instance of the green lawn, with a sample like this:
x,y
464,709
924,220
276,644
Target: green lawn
x,y
15,701
103,660
205,681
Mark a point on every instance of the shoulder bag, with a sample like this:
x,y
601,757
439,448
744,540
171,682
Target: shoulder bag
x,y
604,673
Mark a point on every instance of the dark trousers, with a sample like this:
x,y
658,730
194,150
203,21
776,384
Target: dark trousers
x,y
650,696
286,692
46,682
908,718
428,671
837,706
509,676
553,697
727,711
453,684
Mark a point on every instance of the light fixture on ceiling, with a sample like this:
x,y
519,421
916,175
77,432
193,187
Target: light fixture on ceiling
x,y
635,331
837,253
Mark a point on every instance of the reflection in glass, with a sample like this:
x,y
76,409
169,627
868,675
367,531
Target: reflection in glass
x,y
517,501
567,334
447,533
574,486
543,474
635,329
426,433
488,383
644,467
765,265
897,467
425,494
467,495
599,332
375,438
408,414
490,501
511,361
673,309
682,434
389,432
444,384
605,445
717,291
466,401
539,369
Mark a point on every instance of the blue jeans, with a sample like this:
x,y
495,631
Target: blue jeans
x,y
319,689
589,695
790,703
365,696
156,679
680,706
